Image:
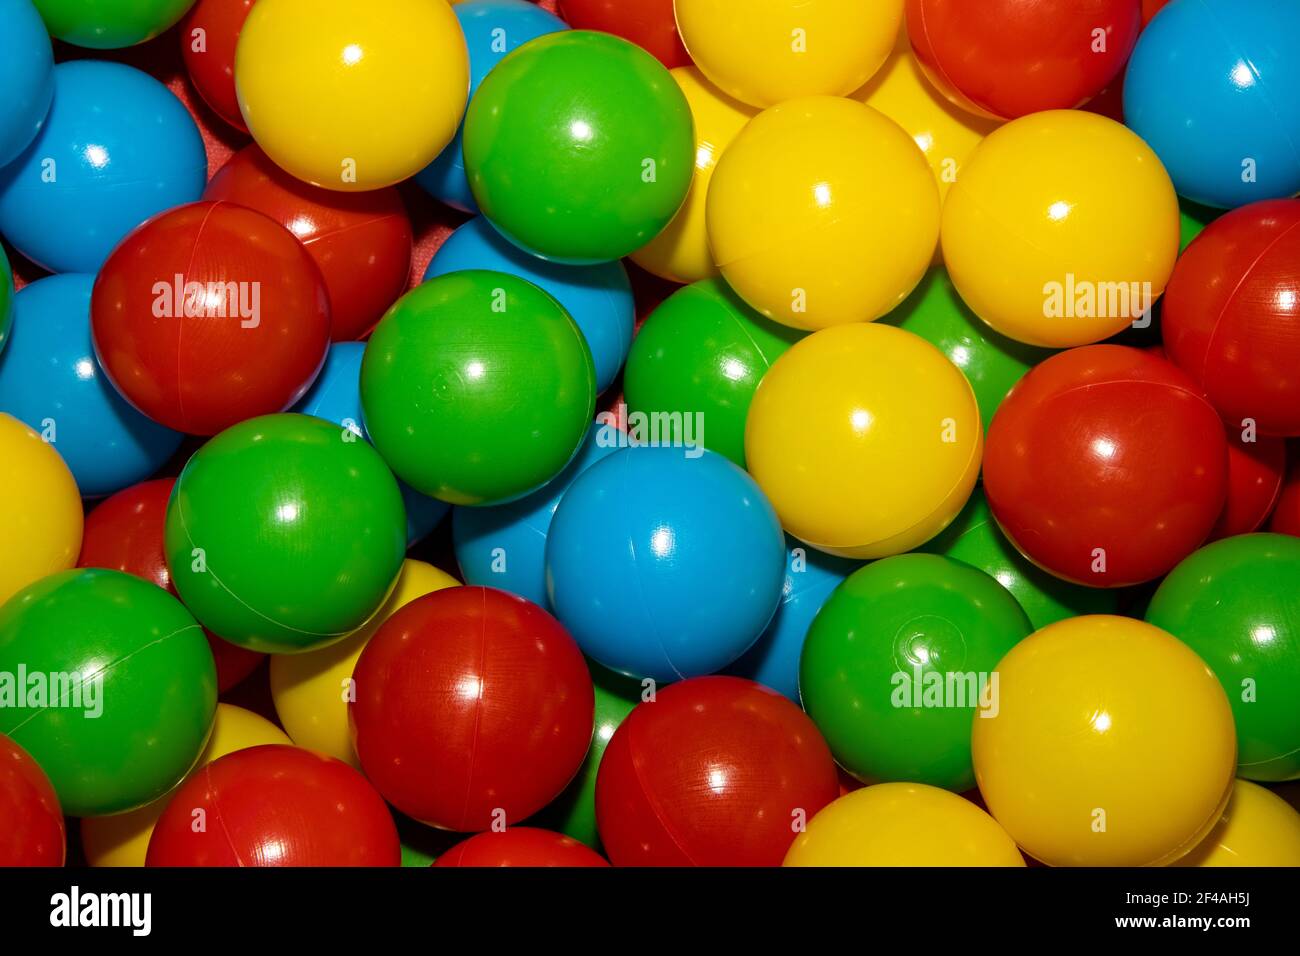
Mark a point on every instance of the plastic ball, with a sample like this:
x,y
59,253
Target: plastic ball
x,y
650,24
687,578
465,761
492,28
1062,229
1236,603
780,51
379,119
713,771
6,299
477,387
903,824
283,535
1010,58
680,253
361,243
1106,466
1231,317
109,24
1285,518
1258,828
111,738
123,839
579,147
974,538
1210,86
208,315
597,297
822,212
33,833
208,39
309,689
901,660
703,352
1091,762
116,148
520,846
1256,470
855,458
26,76
50,378
277,806
40,509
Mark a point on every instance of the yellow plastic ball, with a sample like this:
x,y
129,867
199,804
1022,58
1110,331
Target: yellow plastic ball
x,y
1110,744
1258,828
903,824
866,440
123,840
821,212
766,51
1062,229
311,690
352,96
41,517
681,252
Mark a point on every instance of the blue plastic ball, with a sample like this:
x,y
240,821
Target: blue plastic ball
x,y
597,297
1214,87
26,76
336,397
116,148
492,29
665,562
50,379
504,546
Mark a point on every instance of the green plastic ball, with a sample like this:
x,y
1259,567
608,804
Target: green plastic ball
x,y
1236,603
6,298
284,533
108,682
1193,219
109,24
991,362
579,147
703,351
897,662
477,387
975,539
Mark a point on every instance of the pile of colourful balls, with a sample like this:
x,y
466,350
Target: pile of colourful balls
x,y
710,432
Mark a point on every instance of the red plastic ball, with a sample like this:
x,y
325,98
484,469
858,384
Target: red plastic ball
x,y
1231,315
360,241
1010,58
650,24
1255,473
1106,466
715,771
210,314
125,533
1286,513
31,823
473,707
521,846
208,38
275,805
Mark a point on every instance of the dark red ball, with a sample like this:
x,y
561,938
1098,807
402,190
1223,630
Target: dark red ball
x,y
521,846
208,36
31,823
1286,513
1106,466
650,24
1255,473
473,707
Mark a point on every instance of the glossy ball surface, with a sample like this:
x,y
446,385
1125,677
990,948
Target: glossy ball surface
x,y
1258,828
109,24
26,76
208,39
1256,470
34,833
520,846
649,24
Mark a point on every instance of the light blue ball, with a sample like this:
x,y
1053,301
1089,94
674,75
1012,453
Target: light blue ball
x,y
26,76
1214,87
597,297
336,397
116,148
50,379
663,565
492,29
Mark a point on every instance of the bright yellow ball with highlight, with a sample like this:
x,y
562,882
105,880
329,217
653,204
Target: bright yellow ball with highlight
x,y
903,824
311,690
1110,743
1062,229
766,51
352,96
822,212
865,439
1258,828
